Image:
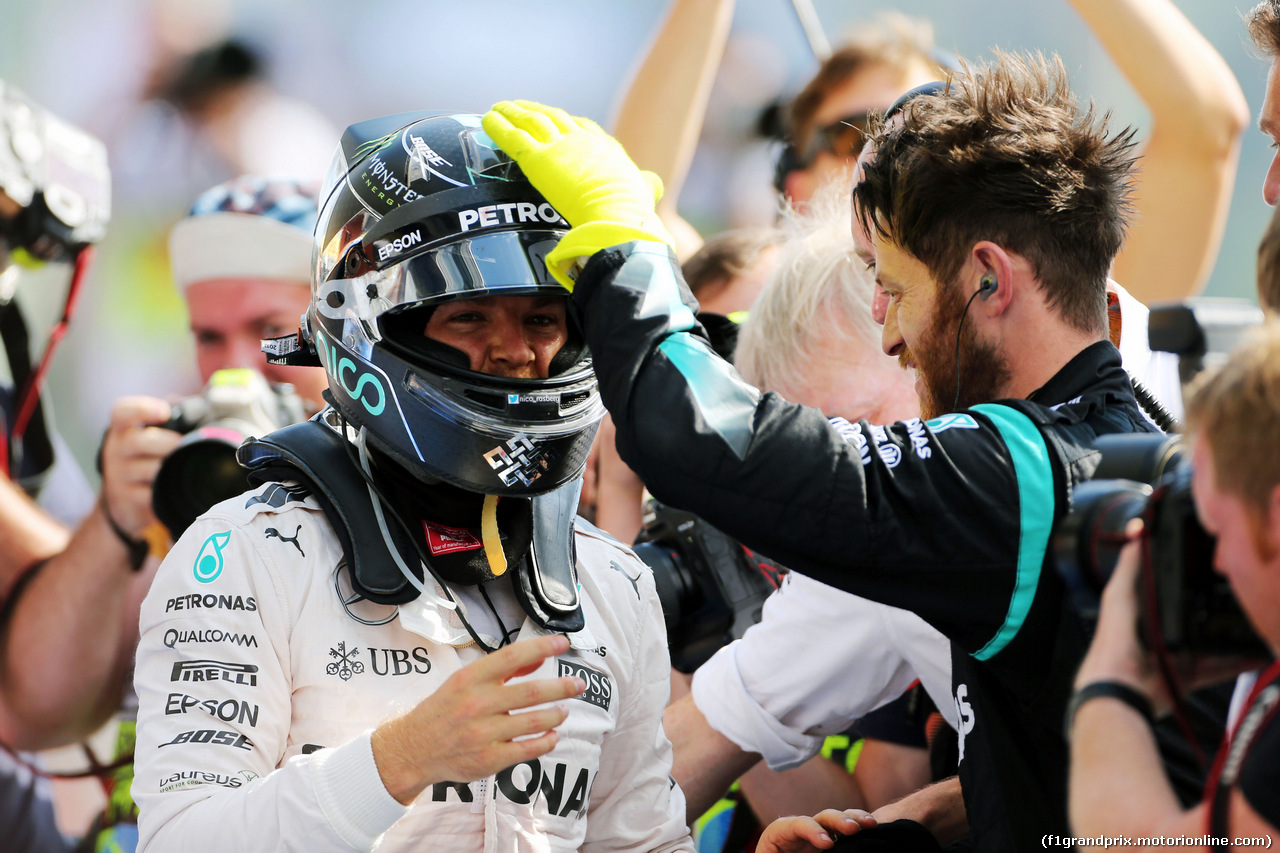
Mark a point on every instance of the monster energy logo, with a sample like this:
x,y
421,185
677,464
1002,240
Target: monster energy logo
x,y
374,144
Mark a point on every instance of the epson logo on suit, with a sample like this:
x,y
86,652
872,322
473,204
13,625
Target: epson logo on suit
x,y
599,688
509,213
227,710
215,670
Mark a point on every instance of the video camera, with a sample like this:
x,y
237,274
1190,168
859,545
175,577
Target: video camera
x,y
202,470
711,587
1192,605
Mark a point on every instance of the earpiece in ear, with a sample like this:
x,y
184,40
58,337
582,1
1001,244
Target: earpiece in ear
x,y
987,285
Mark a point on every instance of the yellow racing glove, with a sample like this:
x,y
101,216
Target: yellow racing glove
x,y
585,174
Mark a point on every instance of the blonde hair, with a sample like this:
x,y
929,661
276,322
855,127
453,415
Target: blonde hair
x,y
1236,410
818,287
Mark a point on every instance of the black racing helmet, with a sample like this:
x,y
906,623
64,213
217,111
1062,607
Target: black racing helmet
x,y
419,209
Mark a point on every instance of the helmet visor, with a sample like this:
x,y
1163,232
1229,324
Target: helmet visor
x,y
505,263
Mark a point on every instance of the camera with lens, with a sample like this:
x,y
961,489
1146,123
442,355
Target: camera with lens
x,y
712,588
202,470
55,200
54,181
1182,597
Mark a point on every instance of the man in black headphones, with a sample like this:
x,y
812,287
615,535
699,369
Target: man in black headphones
x,y
995,212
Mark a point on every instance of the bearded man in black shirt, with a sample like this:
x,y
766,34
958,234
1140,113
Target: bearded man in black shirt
x,y
996,207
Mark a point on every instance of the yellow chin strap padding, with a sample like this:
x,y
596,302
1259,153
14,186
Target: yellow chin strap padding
x,y
489,535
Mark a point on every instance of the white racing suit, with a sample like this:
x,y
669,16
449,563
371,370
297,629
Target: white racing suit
x,y
773,693
258,692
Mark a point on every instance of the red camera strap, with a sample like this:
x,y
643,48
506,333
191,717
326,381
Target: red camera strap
x,y
1260,708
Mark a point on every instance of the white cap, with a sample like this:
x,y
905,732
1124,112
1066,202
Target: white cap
x,y
238,245
249,227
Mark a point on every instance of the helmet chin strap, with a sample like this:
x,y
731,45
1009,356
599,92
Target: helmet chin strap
x,y
376,500
548,596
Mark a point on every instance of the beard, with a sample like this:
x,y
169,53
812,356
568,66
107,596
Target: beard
x,y
983,370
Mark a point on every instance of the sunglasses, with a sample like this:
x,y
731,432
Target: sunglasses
x,y
844,137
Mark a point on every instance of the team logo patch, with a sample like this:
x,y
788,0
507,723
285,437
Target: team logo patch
x,y
210,671
599,690
446,540
208,563
890,454
952,421
613,564
271,532
345,664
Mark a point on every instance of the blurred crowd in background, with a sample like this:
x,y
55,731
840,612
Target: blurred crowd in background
x,y
188,93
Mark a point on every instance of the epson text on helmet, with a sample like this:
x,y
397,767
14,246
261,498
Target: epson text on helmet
x,y
508,213
399,244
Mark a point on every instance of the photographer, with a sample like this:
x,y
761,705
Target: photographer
x,y
1118,785
997,282
242,260
70,599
